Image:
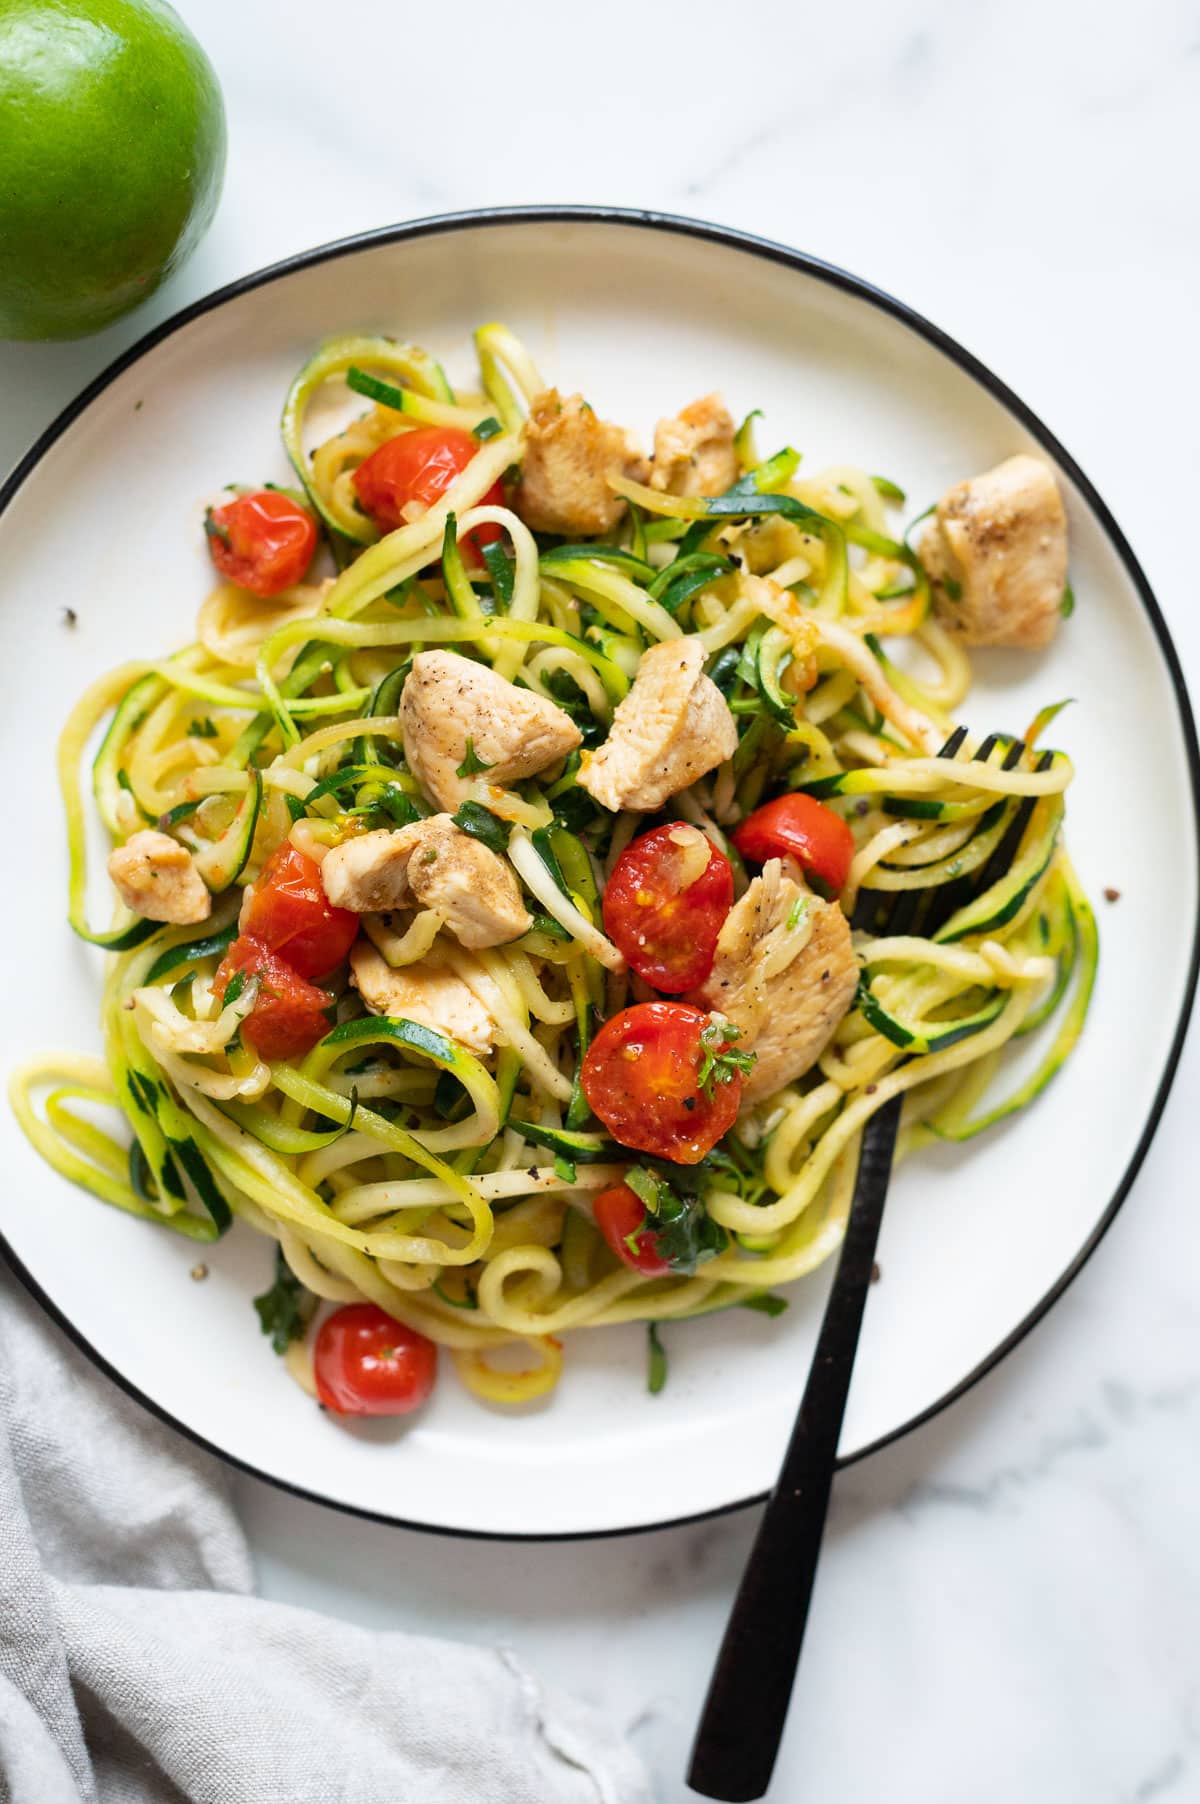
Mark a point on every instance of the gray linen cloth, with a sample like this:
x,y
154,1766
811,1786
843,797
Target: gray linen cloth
x,y
137,1668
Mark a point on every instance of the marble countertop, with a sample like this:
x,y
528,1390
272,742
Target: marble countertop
x,y
1008,1602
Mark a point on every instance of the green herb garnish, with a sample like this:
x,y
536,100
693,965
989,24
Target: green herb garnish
x,y
765,1303
483,825
472,763
285,1310
721,1061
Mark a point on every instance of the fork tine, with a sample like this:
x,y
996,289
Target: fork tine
x,y
949,897
881,911
893,912
942,906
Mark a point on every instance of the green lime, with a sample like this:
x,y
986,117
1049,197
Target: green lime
x,y
112,146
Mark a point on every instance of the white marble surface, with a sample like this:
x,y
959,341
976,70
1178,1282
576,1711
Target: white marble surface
x,y
1008,1603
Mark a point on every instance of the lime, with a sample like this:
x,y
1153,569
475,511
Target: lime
x,y
112,144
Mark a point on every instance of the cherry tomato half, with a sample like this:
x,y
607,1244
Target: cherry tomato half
x,y
420,466
263,541
797,826
288,1017
664,908
621,1218
290,914
641,1077
367,1364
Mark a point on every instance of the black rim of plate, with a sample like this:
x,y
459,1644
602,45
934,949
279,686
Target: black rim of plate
x,y
731,239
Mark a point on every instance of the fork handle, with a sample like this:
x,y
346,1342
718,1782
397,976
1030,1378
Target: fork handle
x,y
742,1722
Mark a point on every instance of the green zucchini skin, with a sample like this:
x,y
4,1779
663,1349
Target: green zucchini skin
x,y
931,1037
570,1143
999,904
222,863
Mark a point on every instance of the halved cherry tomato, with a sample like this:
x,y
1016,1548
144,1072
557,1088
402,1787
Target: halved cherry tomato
x,y
664,918
290,914
799,827
263,541
367,1364
420,466
641,1076
622,1219
288,1017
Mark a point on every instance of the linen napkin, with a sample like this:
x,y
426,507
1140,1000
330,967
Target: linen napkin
x,y
136,1666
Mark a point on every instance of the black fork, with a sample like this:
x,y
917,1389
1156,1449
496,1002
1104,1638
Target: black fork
x,y
742,1722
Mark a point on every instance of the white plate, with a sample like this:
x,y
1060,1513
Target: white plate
x,y
642,314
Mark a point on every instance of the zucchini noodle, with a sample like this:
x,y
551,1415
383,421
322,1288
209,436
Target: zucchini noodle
x,y
392,1164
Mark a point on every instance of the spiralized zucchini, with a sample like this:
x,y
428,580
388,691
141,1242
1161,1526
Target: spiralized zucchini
x,y
393,1165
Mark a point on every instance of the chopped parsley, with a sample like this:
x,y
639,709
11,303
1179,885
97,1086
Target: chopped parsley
x,y
472,763
285,1309
721,1061
483,825
765,1303
202,729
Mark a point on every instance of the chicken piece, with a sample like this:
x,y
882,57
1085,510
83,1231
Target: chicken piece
x,y
997,555
785,974
569,455
672,727
158,879
449,700
436,864
426,992
693,453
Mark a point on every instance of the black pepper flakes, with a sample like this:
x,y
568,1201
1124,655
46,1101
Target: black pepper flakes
x,y
70,617
876,1273
1112,895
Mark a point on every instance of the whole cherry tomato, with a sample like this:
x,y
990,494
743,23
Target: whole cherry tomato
x,y
367,1364
797,826
665,905
288,1017
420,466
662,1078
289,913
621,1218
262,541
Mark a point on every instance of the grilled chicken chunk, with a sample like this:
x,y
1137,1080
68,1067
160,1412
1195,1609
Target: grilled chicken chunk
x,y
785,974
997,555
437,865
157,878
449,700
672,727
569,454
427,992
693,453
